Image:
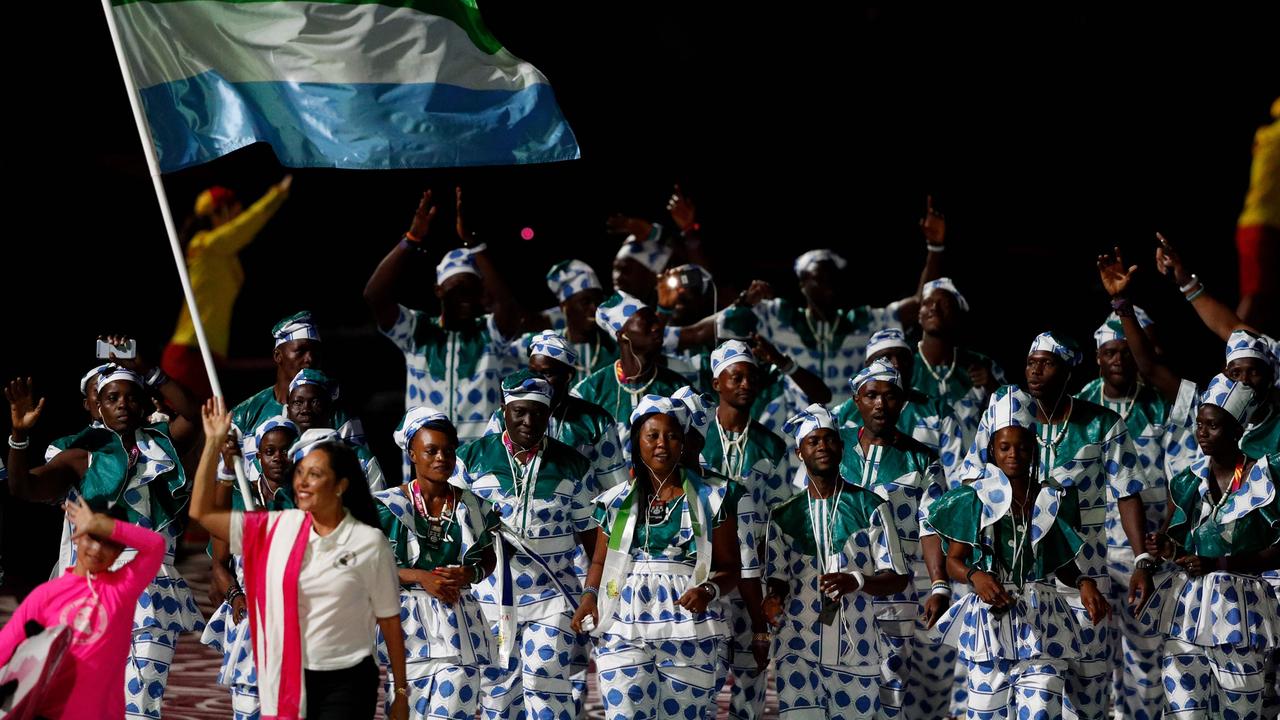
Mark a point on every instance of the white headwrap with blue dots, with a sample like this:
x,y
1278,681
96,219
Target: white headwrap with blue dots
x,y
814,417
456,262
93,375
650,252
808,261
1050,343
885,339
1234,397
311,376
661,405
549,343
613,313
1010,406
700,406
113,372
731,352
879,371
313,439
1113,328
412,422
295,327
945,285
1244,344
525,385
277,422
570,277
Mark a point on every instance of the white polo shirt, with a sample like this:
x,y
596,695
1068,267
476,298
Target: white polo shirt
x,y
348,580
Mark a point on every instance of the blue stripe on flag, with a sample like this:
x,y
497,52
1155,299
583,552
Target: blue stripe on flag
x,y
356,126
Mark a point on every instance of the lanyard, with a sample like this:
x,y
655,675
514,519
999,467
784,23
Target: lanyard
x,y
523,480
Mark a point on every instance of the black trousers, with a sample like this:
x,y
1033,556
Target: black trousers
x,y
347,694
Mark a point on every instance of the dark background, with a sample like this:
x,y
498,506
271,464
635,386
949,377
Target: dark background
x,y
1046,135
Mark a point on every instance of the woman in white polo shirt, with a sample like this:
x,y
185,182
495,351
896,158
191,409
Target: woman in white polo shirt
x,y
317,580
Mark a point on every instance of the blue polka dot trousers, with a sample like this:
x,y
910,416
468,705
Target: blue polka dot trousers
x,y
1007,690
668,679
535,682
147,672
439,690
245,704
809,690
916,675
1217,682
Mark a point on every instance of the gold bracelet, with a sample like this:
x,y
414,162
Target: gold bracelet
x,y
402,691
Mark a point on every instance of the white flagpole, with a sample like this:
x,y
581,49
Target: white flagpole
x,y
153,164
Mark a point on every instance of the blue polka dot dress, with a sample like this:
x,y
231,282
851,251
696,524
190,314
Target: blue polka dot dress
x,y
445,645
828,663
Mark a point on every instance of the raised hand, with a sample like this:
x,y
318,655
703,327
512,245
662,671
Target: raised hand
x,y
459,225
217,422
933,224
136,363
668,288
24,411
1168,262
1115,278
758,290
84,520
682,209
765,351
422,217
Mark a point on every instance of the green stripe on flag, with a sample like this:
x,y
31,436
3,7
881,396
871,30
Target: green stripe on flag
x,y
463,13
620,523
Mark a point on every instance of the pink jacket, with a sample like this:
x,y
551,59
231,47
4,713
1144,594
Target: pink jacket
x,y
101,633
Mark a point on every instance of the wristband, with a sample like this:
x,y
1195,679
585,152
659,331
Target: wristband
x,y
935,248
1199,291
862,579
156,378
1195,280
19,445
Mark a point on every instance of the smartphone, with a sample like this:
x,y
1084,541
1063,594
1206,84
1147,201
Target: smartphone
x,y
690,279
128,350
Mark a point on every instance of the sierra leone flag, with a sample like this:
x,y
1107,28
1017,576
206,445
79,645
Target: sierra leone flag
x,y
337,83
